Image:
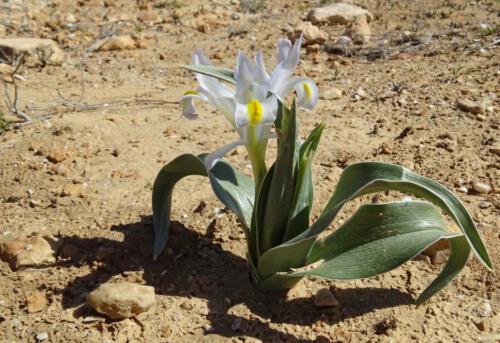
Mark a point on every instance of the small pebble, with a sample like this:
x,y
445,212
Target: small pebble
x,y
236,325
16,323
331,93
484,205
484,309
483,325
187,306
42,336
470,106
463,189
360,94
57,156
481,188
495,150
325,298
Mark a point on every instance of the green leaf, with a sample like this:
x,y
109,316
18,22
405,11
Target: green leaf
x,y
163,187
377,238
258,217
459,254
219,73
298,217
233,189
275,261
369,177
281,188
277,282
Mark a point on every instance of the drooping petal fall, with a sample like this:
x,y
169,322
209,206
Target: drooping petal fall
x,y
215,156
307,91
187,105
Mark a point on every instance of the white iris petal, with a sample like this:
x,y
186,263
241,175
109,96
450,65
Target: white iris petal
x,y
187,105
256,112
283,49
214,157
307,91
260,69
252,107
210,84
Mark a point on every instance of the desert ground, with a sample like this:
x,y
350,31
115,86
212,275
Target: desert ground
x,y
421,91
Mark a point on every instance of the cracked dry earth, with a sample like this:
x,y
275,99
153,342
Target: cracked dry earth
x,y
84,173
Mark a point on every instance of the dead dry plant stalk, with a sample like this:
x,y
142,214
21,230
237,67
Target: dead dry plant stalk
x,y
11,102
80,105
67,104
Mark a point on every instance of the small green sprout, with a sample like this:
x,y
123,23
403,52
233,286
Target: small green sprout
x,y
4,123
274,206
487,30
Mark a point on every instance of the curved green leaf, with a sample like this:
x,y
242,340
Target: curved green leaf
x,y
233,189
219,73
369,177
163,187
274,261
377,238
277,282
459,254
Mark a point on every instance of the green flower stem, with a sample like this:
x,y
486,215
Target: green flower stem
x,y
256,153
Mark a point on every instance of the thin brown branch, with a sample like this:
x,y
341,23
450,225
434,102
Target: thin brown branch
x,y
12,102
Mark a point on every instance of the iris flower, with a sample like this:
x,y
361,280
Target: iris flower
x,y
252,106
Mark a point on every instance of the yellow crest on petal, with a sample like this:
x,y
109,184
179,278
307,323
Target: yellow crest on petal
x,y
307,90
255,111
191,92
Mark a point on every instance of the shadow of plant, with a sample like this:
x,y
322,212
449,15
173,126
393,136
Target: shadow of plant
x,y
196,266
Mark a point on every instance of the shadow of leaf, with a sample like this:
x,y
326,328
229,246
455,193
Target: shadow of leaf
x,y
196,266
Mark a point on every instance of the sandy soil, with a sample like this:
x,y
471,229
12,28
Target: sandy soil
x,y
114,152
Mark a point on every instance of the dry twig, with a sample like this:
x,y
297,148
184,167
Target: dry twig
x,y
11,102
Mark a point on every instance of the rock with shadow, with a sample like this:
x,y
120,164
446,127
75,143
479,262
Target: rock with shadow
x,y
196,266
